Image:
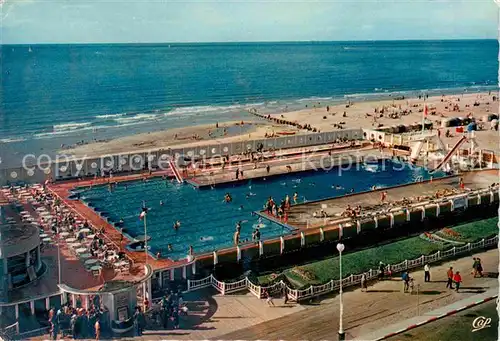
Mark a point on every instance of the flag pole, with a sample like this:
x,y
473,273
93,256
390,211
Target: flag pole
x,y
423,116
146,238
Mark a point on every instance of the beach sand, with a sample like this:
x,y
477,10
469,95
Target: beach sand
x,y
440,107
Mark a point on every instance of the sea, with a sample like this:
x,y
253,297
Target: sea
x,y
54,95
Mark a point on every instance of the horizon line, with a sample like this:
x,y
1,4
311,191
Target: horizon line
x,y
245,42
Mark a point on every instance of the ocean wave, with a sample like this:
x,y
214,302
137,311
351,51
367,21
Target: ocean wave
x,y
70,126
309,99
12,139
138,117
196,110
106,117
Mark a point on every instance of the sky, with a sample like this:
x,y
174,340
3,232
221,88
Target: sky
x,y
150,21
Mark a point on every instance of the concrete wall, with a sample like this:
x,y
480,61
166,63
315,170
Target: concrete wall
x,y
66,169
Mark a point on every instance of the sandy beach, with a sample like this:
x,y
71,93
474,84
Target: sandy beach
x,y
321,117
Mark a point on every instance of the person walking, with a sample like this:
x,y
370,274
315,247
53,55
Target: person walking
x,y
381,270
427,273
457,279
364,284
285,296
474,267
406,281
269,299
479,267
449,274
97,327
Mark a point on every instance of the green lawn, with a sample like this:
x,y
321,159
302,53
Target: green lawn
x,y
477,230
360,261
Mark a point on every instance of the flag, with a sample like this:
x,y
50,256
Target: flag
x,y
425,111
143,213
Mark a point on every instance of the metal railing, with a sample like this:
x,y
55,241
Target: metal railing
x,y
317,290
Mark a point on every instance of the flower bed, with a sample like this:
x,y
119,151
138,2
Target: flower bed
x,y
431,238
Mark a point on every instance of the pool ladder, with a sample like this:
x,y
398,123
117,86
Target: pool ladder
x,y
419,179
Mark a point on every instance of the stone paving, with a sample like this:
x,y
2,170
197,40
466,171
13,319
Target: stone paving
x,y
243,316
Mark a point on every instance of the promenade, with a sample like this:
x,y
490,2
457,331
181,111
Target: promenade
x,y
243,316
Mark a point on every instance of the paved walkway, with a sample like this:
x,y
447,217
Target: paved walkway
x,y
431,316
243,316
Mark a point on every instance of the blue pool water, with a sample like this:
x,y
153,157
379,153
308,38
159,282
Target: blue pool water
x,y
203,214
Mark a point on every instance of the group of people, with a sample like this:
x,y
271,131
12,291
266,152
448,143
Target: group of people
x,y
78,322
351,212
280,210
171,307
237,234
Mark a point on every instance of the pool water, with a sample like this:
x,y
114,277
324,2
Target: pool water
x,y
208,223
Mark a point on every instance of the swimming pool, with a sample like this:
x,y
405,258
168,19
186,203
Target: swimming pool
x,y
208,223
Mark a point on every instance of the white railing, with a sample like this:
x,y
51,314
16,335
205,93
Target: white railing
x,y
235,286
317,290
198,284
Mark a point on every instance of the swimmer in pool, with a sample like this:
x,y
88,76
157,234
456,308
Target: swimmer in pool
x,y
177,224
170,248
295,197
161,202
238,226
241,207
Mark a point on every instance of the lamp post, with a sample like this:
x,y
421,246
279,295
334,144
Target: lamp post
x,y
340,249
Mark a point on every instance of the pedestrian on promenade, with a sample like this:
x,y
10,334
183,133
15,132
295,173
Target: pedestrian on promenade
x,y
474,267
449,274
427,273
364,284
381,269
285,296
406,281
457,279
269,298
411,285
477,268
